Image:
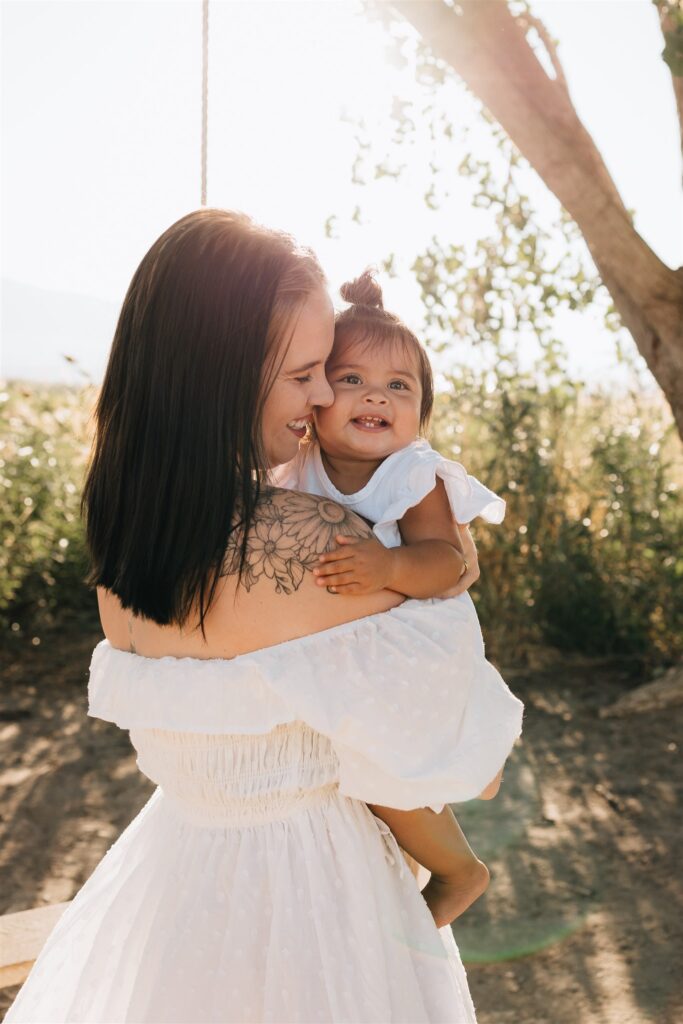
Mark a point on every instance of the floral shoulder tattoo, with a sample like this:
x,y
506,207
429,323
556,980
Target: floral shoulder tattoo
x,y
289,532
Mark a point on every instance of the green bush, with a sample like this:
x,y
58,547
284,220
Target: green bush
x,y
589,555
44,444
587,559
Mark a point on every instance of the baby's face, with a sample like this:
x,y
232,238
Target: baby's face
x,y
377,397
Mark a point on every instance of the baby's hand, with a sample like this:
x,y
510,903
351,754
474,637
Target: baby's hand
x,y
356,567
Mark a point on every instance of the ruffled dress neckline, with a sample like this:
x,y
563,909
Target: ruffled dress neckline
x,y
364,492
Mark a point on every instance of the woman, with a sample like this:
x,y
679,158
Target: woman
x,y
255,884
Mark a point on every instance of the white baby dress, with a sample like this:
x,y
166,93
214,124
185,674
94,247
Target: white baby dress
x,y
255,884
400,482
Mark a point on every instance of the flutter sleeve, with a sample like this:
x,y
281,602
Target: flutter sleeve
x,y
414,477
415,714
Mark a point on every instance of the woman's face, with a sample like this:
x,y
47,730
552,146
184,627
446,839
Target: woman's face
x,y
301,383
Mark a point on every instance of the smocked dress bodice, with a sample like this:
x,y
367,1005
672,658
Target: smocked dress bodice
x,y
238,780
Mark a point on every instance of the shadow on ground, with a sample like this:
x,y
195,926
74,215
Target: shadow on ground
x,y
583,921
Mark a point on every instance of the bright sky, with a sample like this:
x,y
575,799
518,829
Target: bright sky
x,y
101,134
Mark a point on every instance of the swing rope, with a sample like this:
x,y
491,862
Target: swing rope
x,y
205,93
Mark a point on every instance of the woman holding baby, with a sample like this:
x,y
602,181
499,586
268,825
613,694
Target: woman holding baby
x,y
282,564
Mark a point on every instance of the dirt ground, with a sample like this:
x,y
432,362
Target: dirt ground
x,y
583,922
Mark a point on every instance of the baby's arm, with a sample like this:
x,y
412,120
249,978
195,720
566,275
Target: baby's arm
x,y
429,563
432,547
437,842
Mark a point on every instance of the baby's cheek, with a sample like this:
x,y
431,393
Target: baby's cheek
x,y
326,420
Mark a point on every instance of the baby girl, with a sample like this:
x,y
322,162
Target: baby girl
x,y
366,453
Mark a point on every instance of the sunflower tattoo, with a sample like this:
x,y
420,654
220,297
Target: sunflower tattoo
x,y
290,531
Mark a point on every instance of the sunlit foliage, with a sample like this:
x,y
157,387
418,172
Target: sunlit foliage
x,y
44,442
588,557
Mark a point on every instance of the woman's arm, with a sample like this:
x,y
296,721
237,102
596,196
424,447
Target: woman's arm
x,y
492,788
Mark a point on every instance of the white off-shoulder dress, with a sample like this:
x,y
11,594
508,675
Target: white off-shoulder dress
x,y
255,884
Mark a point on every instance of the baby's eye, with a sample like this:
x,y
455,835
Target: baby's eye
x,y
399,385
350,378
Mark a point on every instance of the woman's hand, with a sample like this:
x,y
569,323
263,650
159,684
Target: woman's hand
x,y
471,575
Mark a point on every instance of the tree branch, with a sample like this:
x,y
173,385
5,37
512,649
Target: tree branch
x,y
527,21
488,48
671,21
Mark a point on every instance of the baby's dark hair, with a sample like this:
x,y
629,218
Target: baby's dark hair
x,y
367,322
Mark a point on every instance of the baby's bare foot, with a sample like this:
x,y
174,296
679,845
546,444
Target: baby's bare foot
x,y
449,897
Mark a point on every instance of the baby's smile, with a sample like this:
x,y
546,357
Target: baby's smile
x,y
373,423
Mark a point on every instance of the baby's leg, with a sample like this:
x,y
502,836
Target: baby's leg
x,y
437,842
422,874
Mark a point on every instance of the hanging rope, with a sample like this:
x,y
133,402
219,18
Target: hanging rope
x,y
205,92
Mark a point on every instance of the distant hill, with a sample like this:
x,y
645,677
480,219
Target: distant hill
x,y
39,326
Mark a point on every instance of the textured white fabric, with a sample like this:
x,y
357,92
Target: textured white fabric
x,y
399,483
255,884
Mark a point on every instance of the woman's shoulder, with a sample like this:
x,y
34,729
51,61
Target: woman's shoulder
x,y
298,527
276,596
289,530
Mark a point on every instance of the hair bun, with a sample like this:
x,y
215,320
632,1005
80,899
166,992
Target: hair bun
x,y
363,290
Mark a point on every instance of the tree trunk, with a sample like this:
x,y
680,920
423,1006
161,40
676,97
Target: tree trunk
x,y
487,47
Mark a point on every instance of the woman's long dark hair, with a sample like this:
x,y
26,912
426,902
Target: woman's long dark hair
x,y
177,453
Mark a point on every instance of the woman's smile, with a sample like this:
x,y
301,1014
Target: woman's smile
x,y
301,384
300,426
